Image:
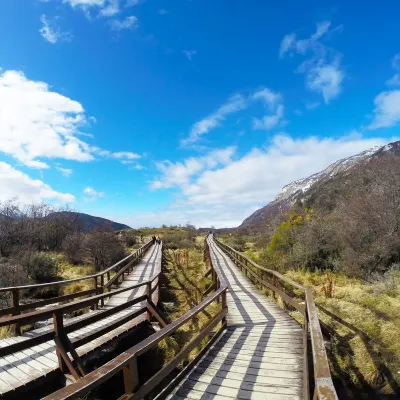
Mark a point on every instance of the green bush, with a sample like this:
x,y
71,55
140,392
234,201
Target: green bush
x,y
42,267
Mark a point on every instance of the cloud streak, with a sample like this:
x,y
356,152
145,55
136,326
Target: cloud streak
x,y
323,70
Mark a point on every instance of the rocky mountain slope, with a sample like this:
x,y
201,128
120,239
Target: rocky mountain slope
x,y
300,189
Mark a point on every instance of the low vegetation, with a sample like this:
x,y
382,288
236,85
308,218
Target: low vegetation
x,y
185,272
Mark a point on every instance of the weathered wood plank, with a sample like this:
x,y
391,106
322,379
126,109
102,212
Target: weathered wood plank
x,y
20,368
259,356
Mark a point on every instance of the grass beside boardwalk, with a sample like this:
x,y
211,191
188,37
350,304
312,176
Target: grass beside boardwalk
x,y
186,284
364,321
366,345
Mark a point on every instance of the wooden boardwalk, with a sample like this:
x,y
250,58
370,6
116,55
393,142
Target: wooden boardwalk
x,y
22,368
259,355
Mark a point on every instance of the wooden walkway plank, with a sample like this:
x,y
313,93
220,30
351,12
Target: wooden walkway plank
x,y
22,367
259,356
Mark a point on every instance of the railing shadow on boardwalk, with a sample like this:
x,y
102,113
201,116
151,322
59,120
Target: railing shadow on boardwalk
x,y
248,380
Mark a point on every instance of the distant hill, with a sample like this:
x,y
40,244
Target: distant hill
x,y
90,222
318,189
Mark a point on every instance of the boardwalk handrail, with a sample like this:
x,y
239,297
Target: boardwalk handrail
x,y
99,282
59,331
324,388
127,361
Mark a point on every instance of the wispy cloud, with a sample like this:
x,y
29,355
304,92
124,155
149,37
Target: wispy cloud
x,y
189,54
395,79
323,70
91,194
67,172
274,104
387,110
130,22
200,128
51,32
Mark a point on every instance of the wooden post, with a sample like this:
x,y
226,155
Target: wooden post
x,y
148,294
59,330
223,306
63,346
102,289
108,280
274,284
16,328
94,305
131,376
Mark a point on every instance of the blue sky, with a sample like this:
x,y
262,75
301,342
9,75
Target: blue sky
x,y
155,111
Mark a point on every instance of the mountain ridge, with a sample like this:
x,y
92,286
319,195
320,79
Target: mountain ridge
x,y
89,222
297,190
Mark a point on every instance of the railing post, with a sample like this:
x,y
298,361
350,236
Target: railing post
x,y
102,289
131,376
224,305
59,331
94,305
16,328
305,360
148,294
108,280
274,284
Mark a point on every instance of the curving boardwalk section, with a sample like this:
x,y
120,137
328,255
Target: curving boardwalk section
x,y
24,367
259,355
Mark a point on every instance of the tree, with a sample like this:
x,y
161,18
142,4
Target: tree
x,y
103,249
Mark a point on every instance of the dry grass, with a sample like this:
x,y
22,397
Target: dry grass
x,y
186,271
366,346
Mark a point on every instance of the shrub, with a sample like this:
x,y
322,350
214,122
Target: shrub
x,y
73,248
11,274
42,267
103,249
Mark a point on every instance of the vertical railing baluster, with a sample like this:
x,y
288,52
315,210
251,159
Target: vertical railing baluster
x,y
16,328
131,376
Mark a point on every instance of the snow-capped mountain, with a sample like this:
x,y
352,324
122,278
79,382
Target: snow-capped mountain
x,y
298,189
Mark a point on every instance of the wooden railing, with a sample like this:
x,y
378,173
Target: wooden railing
x,y
101,281
127,361
276,282
59,330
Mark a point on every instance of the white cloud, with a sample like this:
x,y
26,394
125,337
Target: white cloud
x,y
273,102
51,32
15,183
105,8
326,78
396,62
181,173
91,194
225,195
189,54
200,128
312,105
324,73
125,155
110,9
37,123
67,172
286,44
387,110
395,79
130,22
269,122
